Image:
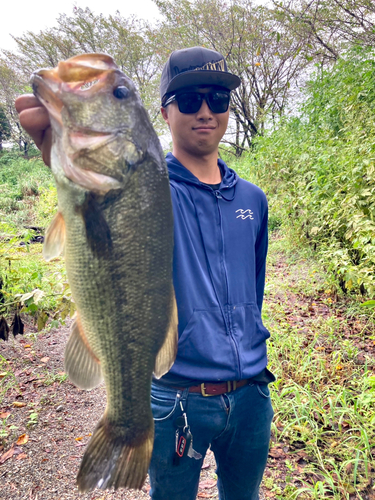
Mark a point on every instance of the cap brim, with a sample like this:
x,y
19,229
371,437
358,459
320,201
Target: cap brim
x,y
203,77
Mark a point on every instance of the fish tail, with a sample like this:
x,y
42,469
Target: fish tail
x,y
110,461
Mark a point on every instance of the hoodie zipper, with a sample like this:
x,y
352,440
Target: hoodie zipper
x,y
228,324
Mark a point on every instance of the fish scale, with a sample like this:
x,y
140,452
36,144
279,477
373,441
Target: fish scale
x,y
115,225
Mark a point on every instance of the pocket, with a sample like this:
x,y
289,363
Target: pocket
x,y
205,346
163,402
264,390
248,326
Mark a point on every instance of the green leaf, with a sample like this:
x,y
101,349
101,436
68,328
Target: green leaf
x,y
369,303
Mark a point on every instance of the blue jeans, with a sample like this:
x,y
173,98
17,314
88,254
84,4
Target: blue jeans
x,y
235,425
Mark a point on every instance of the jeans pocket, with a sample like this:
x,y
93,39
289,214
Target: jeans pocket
x,y
264,390
163,402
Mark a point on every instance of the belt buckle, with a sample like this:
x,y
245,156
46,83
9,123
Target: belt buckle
x,y
203,391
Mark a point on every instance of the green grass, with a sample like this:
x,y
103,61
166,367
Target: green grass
x,y
28,199
324,396
21,183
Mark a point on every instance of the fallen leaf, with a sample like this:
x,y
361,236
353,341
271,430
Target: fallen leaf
x,y
5,414
44,360
302,455
208,483
27,345
21,456
339,367
276,453
79,438
28,381
18,404
23,439
206,466
202,494
7,455
349,467
45,459
3,374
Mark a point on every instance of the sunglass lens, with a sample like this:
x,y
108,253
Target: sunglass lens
x,y
218,101
190,102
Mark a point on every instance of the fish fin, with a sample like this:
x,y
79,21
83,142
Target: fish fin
x,y
80,363
54,240
167,353
110,461
97,230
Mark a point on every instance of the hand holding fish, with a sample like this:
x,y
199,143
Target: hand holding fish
x,y
34,119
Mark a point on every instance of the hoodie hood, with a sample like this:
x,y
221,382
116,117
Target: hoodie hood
x,y
179,173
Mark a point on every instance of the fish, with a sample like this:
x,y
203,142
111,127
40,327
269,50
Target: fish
x,y
114,227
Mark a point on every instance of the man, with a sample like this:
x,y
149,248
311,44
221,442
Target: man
x,y
216,394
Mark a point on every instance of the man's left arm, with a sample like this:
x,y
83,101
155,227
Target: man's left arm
x,y
261,247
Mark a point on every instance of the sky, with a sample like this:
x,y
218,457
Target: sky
x,y
19,16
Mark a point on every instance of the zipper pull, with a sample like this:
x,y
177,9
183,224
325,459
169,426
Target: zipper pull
x,y
218,195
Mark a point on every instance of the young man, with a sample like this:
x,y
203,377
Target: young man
x,y
216,394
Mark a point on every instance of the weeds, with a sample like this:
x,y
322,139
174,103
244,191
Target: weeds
x,y
29,284
325,391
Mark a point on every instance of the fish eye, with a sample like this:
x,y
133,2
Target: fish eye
x,y
121,92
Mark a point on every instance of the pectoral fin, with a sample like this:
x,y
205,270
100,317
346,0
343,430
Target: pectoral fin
x,y
80,362
167,354
54,240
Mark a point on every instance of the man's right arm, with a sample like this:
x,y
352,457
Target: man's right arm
x,y
35,120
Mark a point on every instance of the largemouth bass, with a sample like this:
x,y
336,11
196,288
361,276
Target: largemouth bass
x,y
115,227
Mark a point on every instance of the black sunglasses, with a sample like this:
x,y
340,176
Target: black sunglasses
x,y
191,102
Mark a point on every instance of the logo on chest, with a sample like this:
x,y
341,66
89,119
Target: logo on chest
x,y
244,214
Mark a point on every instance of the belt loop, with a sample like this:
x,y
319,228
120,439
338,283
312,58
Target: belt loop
x,y
183,395
234,383
229,385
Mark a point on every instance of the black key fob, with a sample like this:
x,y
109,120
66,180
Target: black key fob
x,y
183,440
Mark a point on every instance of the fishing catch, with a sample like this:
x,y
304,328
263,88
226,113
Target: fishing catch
x,y
115,227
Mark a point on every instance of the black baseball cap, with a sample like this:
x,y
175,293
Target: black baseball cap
x,y
195,66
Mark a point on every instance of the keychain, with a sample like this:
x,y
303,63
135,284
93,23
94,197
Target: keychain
x,y
184,439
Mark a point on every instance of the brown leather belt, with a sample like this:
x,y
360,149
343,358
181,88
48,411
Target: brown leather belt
x,y
216,389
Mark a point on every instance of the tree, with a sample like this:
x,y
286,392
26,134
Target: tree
x,y
330,26
11,86
128,40
5,130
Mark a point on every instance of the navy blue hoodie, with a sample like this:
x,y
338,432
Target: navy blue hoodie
x,y
220,253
